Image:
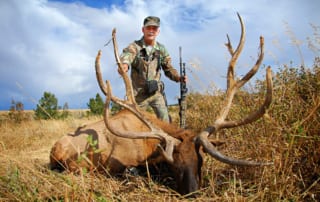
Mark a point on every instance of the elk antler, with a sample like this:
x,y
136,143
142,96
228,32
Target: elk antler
x,y
232,87
131,105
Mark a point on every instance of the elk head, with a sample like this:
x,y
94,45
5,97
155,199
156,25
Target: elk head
x,y
179,147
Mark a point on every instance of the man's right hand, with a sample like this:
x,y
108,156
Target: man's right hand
x,y
125,68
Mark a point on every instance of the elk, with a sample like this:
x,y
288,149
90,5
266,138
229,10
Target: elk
x,y
133,137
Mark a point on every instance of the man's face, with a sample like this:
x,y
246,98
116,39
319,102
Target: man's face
x,y
150,32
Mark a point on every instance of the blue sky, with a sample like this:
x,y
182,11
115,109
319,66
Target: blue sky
x,y
51,45
95,3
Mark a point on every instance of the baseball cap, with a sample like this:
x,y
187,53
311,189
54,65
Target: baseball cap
x,y
151,21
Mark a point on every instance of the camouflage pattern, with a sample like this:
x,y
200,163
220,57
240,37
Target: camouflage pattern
x,y
151,21
158,104
146,64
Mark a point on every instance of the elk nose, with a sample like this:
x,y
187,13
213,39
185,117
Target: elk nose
x,y
189,183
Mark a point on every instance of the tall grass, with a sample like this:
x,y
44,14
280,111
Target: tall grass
x,y
288,135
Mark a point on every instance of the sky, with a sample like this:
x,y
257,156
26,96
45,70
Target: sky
x,y
50,45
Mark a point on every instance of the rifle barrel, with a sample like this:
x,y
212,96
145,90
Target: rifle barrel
x,y
183,92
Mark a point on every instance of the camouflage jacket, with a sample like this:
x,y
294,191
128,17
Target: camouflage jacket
x,y
146,62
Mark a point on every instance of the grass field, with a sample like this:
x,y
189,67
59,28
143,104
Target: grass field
x,y
288,135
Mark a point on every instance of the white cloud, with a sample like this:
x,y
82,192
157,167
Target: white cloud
x,y
51,46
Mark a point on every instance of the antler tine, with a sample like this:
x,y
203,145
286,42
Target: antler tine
x,y
241,42
239,84
235,54
130,105
235,85
255,68
222,123
155,133
119,132
231,83
258,113
127,82
229,46
202,138
99,75
126,104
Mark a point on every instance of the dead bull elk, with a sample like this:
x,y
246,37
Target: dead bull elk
x,y
132,137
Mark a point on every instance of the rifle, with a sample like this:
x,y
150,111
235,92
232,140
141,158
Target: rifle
x,y
183,93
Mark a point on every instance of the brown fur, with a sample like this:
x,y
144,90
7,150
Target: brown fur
x,y
116,153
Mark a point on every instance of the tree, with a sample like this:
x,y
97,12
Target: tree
x,y
115,108
96,105
47,107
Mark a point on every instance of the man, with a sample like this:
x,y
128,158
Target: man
x,y
146,58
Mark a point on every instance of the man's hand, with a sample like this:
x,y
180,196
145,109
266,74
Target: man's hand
x,y
184,79
125,68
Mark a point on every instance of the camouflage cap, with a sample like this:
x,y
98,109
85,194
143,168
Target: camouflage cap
x,y
151,21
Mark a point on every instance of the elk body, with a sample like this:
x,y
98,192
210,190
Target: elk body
x,y
132,137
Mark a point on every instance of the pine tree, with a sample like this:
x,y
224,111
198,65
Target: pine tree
x,y
96,105
47,108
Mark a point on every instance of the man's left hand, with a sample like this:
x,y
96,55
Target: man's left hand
x,y
184,79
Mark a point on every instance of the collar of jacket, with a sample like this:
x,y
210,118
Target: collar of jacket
x,y
144,45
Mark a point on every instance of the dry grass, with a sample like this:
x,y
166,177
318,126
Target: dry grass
x,y
288,135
